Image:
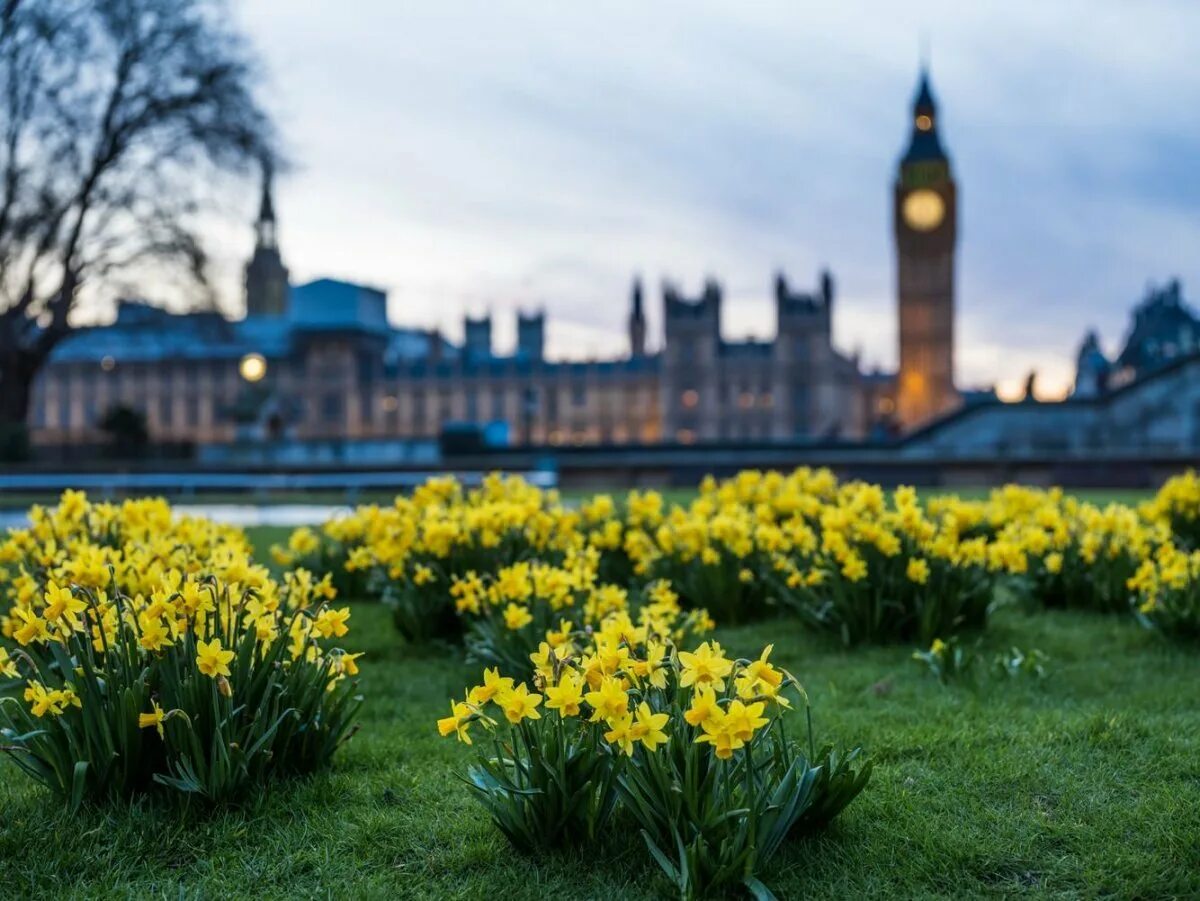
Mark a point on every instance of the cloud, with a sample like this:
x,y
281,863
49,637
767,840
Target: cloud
x,y
471,156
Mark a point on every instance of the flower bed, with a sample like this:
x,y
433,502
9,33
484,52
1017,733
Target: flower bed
x,y
154,654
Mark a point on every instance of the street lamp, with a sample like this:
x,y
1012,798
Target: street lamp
x,y
253,367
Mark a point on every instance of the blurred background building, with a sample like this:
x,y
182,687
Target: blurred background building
x,y
320,362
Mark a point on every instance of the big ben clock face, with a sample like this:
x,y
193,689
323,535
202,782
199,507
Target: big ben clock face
x,y
924,210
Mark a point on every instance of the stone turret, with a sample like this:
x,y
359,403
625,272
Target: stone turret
x,y
531,336
266,276
637,321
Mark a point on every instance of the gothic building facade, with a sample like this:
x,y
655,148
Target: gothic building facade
x,y
321,360
794,387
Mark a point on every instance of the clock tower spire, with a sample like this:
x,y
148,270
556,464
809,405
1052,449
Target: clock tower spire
x,y
926,229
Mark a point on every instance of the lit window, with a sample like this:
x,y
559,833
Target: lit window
x,y
686,436
389,404
690,398
745,400
924,122
768,400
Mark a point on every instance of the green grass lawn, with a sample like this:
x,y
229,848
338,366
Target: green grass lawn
x,y
1086,783
22,500
263,537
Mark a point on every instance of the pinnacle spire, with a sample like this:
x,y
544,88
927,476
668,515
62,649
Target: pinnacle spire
x,y
924,96
924,144
266,209
637,321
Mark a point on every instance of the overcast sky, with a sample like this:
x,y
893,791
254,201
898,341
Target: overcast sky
x,y
504,155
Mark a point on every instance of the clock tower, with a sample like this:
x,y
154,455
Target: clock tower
x,y
926,228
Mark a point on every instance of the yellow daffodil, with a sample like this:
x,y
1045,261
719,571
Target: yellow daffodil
x,y
213,660
152,720
760,679
332,623
648,729
567,696
707,665
32,628
517,616
519,703
741,720
8,666
621,733
493,685
704,706
457,722
154,633
917,571
44,701
609,702
723,740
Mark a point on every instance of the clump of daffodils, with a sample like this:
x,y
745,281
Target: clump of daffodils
x,y
408,554
134,543
1167,592
845,556
1062,552
528,606
873,569
692,744
1177,504
166,663
849,558
1066,553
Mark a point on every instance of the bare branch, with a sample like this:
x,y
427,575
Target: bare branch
x,y
110,111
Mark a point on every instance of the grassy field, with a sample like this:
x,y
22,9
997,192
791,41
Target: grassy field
x,y
22,500
1086,783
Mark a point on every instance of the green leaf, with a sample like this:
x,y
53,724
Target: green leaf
x,y
78,785
758,890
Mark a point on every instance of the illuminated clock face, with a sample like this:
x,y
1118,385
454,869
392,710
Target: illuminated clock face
x,y
924,210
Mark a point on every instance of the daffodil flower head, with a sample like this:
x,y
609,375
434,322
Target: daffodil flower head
x,y
706,665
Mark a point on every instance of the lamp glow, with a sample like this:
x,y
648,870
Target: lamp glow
x,y
253,367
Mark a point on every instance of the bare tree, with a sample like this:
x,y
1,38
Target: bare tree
x,y
114,117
